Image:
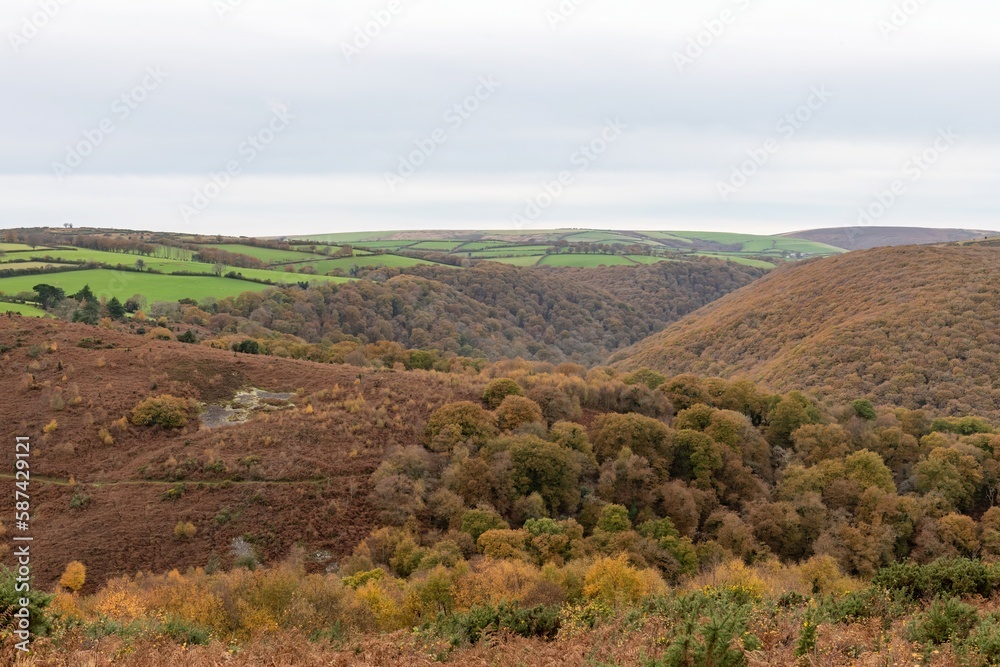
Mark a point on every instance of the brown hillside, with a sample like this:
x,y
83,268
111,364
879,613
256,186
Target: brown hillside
x,y
309,487
864,238
914,326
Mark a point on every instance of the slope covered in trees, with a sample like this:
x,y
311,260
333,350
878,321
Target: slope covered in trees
x,y
917,327
489,310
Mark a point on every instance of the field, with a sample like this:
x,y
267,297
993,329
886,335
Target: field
x,y
583,261
123,284
604,248
268,255
347,263
22,309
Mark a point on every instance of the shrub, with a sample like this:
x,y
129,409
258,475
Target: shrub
x,y
499,389
487,620
184,530
51,427
947,577
984,642
165,410
10,601
614,581
362,578
248,346
944,620
707,632
74,576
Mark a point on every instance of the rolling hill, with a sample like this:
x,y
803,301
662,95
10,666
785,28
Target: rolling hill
x,y
916,326
864,238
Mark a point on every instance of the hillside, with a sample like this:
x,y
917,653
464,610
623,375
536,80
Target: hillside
x,y
864,238
913,326
133,485
489,310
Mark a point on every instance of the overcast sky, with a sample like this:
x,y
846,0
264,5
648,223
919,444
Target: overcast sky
x,y
262,117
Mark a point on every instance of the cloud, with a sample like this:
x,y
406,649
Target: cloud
x,y
561,79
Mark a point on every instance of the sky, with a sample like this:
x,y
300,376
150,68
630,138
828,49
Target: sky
x,y
267,118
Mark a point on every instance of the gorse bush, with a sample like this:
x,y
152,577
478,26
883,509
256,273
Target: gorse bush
x,y
944,620
507,617
706,631
943,577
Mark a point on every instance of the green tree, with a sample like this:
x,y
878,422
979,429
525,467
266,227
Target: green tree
x,y
499,389
614,519
48,295
645,436
116,310
548,469
459,422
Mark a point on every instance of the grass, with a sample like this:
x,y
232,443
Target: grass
x,y
269,255
648,259
525,260
347,263
29,265
445,246
123,284
584,261
14,247
22,309
736,259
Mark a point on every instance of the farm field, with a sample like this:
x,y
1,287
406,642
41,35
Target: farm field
x,y
348,263
269,255
123,284
541,245
23,309
584,261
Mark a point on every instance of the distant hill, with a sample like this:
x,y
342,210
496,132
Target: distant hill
x,y
916,326
863,238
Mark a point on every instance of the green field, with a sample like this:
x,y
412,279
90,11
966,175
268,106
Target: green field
x,y
526,260
14,247
19,266
648,259
22,309
440,246
123,284
345,264
737,259
269,255
584,261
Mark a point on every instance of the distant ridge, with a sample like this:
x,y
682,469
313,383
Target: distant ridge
x,y
864,238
